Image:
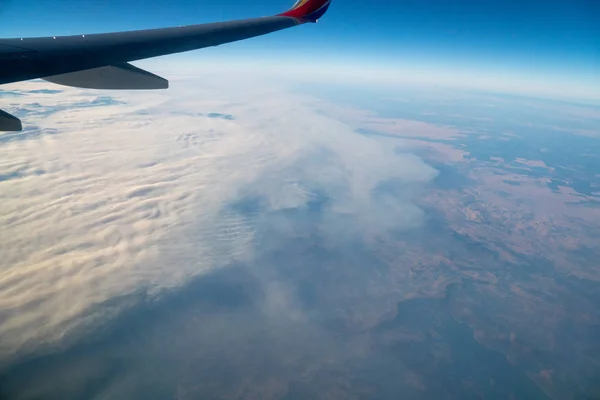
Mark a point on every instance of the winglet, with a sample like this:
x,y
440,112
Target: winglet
x,y
308,10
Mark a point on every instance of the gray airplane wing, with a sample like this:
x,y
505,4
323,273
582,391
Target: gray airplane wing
x,y
101,61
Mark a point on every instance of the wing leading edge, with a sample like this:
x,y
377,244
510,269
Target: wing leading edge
x,y
100,61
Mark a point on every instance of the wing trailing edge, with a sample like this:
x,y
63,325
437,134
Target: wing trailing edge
x,y
9,123
111,77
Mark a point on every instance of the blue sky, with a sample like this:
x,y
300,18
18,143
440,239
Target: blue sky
x,y
529,39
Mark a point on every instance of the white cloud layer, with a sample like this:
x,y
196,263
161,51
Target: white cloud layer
x,y
101,199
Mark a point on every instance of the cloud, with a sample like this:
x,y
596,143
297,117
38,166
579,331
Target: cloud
x,y
143,191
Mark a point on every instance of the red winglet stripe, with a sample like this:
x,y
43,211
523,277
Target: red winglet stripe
x,y
305,8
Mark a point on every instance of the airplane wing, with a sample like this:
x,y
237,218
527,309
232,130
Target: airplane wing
x,y
101,61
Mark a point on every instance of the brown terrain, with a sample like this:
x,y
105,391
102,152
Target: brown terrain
x,y
525,259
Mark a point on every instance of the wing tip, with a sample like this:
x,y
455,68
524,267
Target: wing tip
x,y
308,10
